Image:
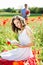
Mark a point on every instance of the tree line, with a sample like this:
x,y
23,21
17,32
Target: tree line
x,y
32,10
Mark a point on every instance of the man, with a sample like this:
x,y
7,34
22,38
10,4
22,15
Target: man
x,y
25,12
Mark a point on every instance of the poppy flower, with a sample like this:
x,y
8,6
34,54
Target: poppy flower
x,y
34,52
8,43
4,22
38,17
27,12
32,19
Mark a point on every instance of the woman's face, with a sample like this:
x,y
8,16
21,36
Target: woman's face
x,y
17,23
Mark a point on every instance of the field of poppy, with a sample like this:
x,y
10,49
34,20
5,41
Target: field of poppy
x,y
36,24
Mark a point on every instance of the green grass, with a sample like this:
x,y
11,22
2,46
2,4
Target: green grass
x,y
7,14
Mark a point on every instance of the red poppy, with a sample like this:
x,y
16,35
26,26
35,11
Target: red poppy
x,y
27,12
8,43
39,17
34,52
4,22
32,19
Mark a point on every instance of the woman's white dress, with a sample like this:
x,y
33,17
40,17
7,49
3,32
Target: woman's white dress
x,y
19,53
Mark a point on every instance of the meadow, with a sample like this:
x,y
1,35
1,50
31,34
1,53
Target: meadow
x,y
36,24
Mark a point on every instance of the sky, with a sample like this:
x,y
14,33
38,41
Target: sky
x,y
17,4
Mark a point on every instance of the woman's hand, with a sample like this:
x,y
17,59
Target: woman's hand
x,y
17,44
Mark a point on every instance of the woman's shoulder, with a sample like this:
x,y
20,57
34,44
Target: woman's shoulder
x,y
27,27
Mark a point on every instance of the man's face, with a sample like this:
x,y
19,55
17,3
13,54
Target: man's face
x,y
25,6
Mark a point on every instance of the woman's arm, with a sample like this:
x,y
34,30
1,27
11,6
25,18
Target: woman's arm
x,y
29,45
24,46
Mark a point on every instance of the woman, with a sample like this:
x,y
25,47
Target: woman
x,y
25,37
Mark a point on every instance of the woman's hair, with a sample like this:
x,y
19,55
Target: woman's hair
x,y
22,21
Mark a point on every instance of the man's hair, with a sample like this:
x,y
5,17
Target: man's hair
x,y
25,4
